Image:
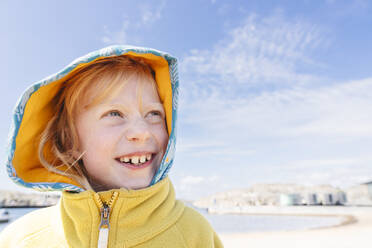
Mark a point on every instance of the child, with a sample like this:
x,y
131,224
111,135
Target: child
x,y
103,132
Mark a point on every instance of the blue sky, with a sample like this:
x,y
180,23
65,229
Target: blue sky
x,y
271,91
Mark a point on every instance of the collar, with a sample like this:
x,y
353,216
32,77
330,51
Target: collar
x,y
135,215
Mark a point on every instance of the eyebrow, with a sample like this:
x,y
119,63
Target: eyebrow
x,y
115,105
157,106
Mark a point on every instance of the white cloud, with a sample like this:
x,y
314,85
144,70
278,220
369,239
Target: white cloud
x,y
341,110
197,180
150,14
334,172
192,146
226,93
320,163
262,50
341,171
194,187
192,180
266,119
118,37
146,15
202,149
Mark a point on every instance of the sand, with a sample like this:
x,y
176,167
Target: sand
x,y
354,232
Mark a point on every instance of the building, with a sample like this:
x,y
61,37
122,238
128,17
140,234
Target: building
x,y
369,186
290,199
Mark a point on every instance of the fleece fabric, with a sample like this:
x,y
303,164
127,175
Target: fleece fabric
x,y
139,218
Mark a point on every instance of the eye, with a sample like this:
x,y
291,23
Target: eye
x,y
154,113
114,113
154,116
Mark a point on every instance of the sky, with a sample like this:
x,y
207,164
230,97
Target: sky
x,y
270,91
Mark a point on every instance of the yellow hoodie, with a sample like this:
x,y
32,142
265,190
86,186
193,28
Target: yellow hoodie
x,y
150,217
138,218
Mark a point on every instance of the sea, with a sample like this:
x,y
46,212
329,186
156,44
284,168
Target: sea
x,y
231,223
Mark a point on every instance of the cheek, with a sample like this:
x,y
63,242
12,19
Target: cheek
x,y
91,136
98,145
162,137
98,149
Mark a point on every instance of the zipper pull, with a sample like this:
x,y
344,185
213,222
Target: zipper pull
x,y
104,226
105,216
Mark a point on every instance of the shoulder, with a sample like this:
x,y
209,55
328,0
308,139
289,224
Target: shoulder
x,y
191,217
196,229
31,230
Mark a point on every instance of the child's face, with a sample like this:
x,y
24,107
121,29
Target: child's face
x,y
124,138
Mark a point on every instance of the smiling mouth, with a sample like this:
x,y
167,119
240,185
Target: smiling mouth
x,y
136,160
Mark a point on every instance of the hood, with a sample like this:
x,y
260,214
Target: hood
x,y
33,111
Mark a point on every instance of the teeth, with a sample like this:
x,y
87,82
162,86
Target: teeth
x,y
135,160
124,159
143,159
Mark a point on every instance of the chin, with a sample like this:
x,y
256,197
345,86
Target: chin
x,y
137,186
139,183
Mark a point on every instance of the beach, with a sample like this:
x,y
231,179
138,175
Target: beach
x,y
355,231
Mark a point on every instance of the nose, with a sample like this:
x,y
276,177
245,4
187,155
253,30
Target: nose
x,y
138,132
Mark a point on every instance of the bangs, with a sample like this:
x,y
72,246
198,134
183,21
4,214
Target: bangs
x,y
106,82
105,87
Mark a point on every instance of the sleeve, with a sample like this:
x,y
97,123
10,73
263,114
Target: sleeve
x,y
196,230
6,238
217,241
31,230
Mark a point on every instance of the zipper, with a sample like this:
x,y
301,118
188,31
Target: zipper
x,y
104,226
